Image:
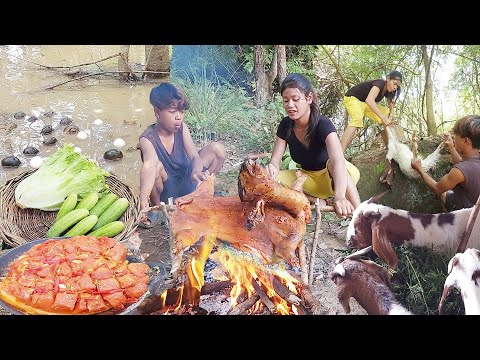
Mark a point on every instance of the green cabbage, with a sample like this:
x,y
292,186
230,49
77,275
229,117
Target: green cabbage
x,y
62,173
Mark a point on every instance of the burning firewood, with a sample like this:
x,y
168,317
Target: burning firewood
x,y
255,237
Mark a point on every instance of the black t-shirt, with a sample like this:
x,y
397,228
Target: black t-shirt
x,y
315,157
360,91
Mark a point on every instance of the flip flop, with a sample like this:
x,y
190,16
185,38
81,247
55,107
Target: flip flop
x,y
153,218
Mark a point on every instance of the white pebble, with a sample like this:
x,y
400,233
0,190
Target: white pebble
x,y
36,162
82,135
119,143
98,122
77,150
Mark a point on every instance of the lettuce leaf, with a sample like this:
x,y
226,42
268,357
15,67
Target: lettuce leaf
x,y
62,173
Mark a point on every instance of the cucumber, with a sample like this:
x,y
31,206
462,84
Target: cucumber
x,y
67,206
113,212
66,222
111,229
103,204
88,201
83,226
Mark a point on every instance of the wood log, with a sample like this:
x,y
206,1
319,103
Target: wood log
x,y
216,286
242,308
285,293
263,297
310,300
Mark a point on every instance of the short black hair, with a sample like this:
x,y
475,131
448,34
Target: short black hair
x,y
166,95
469,126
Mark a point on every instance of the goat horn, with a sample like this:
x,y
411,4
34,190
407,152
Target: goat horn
x,y
354,255
377,197
445,293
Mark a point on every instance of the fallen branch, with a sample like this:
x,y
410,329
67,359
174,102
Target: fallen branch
x,y
98,73
64,67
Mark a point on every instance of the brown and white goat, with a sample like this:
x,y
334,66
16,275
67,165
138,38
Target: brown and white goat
x,y
464,275
381,226
369,284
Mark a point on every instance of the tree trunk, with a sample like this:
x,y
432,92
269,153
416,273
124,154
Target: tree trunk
x,y
277,69
272,74
157,58
261,92
123,62
427,61
282,62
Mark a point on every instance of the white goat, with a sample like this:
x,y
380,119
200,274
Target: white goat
x,y
369,284
402,154
464,275
381,226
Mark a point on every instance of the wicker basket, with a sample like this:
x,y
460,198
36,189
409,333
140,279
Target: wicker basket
x,y
19,226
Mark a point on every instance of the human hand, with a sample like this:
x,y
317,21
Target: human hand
x,y
199,176
272,171
447,140
388,122
342,206
143,213
416,164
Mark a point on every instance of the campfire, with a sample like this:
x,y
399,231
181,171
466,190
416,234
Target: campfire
x,y
254,242
237,284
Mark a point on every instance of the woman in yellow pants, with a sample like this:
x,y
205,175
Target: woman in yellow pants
x,y
361,100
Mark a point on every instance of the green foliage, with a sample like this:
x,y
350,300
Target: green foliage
x,y
419,279
219,108
379,168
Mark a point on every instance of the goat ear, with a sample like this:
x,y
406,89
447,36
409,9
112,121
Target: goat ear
x,y
380,271
382,246
375,198
370,209
452,263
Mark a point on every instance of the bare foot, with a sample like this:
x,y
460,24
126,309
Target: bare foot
x,y
298,184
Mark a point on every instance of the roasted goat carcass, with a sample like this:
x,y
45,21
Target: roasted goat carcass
x,y
267,219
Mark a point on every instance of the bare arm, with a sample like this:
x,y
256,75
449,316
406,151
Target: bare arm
x,y
148,171
273,167
197,165
370,101
446,182
339,174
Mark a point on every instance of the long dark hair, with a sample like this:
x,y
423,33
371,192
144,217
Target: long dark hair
x,y
300,82
395,75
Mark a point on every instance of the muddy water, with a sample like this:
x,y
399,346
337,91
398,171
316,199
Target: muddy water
x,y
123,107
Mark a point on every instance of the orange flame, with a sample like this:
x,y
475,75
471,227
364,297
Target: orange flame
x,y
244,270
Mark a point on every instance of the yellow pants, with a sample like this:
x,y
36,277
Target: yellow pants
x,y
318,183
358,109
